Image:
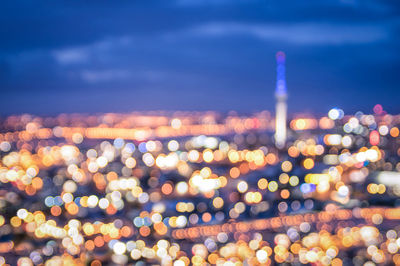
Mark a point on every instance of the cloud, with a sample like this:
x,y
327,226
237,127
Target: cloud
x,y
297,33
97,76
94,76
84,53
71,56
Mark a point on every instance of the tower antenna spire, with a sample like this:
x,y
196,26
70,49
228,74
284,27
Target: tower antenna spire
x,y
281,97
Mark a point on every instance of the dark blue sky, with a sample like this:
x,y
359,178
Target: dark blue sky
x,y
121,56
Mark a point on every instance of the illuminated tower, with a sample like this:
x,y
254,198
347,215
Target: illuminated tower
x,y
281,96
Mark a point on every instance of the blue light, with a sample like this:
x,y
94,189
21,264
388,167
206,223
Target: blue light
x,y
49,201
307,188
131,147
280,74
142,147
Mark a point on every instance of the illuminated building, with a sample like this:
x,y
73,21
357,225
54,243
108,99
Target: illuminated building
x,y
281,107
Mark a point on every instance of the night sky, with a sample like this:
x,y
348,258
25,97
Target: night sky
x,y
123,56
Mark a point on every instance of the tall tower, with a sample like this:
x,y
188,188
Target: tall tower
x,y
281,96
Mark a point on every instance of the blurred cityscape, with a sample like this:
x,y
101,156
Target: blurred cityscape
x,y
180,188
277,143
